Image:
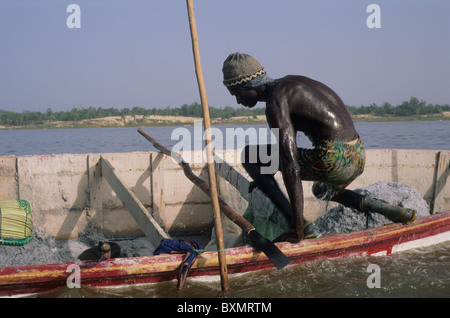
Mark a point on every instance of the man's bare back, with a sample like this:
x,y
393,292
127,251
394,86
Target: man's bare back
x,y
313,108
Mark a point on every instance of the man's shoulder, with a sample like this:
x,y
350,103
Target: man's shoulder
x,y
294,81
295,78
289,85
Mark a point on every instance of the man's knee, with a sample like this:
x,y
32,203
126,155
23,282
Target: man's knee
x,y
252,154
249,165
263,158
245,154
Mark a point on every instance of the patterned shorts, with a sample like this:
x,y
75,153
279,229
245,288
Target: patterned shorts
x,y
334,163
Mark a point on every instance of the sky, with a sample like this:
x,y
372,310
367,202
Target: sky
x,y
139,52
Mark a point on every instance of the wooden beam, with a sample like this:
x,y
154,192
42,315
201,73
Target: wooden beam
x,y
209,148
147,223
441,174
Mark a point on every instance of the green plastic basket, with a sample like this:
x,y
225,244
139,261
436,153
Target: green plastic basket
x,y
16,222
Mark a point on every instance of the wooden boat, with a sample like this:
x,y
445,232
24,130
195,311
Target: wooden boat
x,y
125,194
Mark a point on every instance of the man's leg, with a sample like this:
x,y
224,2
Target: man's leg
x,y
268,185
266,182
354,200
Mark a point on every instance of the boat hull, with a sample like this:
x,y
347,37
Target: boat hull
x,y
385,240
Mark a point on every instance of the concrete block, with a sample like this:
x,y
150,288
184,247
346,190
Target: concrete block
x,y
9,188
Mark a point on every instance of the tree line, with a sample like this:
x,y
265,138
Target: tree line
x,y
406,108
9,118
193,110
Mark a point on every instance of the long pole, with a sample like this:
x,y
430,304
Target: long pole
x,y
209,149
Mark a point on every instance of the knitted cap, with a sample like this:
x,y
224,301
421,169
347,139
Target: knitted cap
x,y
240,68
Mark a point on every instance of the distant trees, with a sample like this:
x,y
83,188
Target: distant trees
x,y
406,108
193,110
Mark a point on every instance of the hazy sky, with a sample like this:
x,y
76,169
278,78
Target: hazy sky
x,y
139,52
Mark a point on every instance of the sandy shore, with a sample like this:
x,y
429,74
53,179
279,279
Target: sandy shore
x,y
140,120
157,120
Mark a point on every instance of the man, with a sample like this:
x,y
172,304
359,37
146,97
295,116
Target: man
x,y
300,104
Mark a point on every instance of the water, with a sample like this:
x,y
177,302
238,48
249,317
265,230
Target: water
x,y
386,135
421,272
417,273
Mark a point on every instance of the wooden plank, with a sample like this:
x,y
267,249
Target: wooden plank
x,y
95,193
157,169
131,202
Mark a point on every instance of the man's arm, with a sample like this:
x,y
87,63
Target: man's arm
x,y
278,116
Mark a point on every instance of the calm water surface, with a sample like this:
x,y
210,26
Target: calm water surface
x,y
385,135
417,273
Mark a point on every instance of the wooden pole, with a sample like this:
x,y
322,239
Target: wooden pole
x,y
209,149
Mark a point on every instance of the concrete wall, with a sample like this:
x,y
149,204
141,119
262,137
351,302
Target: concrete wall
x,y
55,186
105,208
179,205
67,191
